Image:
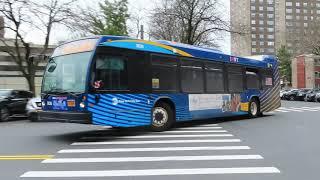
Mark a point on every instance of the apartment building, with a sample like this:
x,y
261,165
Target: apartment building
x,y
268,24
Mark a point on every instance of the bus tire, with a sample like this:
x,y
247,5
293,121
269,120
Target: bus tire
x,y
254,108
162,117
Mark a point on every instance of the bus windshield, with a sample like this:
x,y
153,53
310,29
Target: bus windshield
x,y
66,73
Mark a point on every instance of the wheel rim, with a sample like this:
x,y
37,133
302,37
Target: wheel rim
x,y
4,114
253,108
159,117
291,98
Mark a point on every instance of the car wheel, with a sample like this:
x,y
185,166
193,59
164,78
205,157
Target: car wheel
x,y
291,98
4,114
162,117
254,108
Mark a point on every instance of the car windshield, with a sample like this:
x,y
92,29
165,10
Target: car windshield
x,y
66,73
4,93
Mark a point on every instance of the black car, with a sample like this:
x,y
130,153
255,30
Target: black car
x,y
291,95
311,96
13,102
301,95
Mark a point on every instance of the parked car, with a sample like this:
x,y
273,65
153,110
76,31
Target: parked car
x,y
317,98
311,96
290,95
282,92
302,94
32,108
13,102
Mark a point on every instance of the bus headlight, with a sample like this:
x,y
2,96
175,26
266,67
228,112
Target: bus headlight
x,y
82,105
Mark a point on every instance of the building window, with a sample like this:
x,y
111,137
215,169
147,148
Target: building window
x,y
270,36
288,17
289,11
262,43
253,21
254,43
270,43
254,50
261,8
297,4
270,16
270,23
261,36
298,11
253,8
270,30
270,9
288,3
253,36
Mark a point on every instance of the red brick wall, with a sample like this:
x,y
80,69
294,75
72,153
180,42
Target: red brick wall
x,y
301,74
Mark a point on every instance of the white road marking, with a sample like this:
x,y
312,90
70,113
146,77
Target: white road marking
x,y
192,131
150,172
160,149
278,110
305,109
157,142
208,125
158,136
152,159
290,109
196,128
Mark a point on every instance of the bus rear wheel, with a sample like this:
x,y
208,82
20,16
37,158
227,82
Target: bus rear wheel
x,y
254,108
162,117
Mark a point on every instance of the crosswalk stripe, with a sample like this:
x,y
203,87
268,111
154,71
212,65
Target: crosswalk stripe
x,y
191,131
196,128
208,125
305,109
156,142
158,136
290,109
150,172
152,159
278,110
160,149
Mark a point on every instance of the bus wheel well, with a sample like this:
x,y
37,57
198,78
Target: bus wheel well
x,y
255,98
169,102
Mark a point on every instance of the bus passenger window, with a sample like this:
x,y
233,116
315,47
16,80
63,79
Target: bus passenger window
x,y
235,79
111,73
252,80
215,78
192,76
164,73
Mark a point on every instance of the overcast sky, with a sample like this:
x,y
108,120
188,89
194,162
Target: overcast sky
x,y
141,6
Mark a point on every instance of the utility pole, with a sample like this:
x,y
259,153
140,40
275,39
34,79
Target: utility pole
x,y
141,32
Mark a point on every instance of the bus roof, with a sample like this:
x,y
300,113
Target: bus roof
x,y
179,49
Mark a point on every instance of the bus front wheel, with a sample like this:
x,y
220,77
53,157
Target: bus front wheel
x,y
162,117
254,108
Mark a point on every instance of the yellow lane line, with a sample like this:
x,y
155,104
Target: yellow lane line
x,y
27,157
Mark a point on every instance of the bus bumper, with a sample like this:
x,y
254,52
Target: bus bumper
x,y
67,117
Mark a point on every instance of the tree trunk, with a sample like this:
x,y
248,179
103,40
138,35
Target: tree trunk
x,y
31,83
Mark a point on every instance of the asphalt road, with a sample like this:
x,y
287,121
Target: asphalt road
x,y
281,145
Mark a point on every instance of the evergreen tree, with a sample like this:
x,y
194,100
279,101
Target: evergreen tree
x,y
285,63
113,20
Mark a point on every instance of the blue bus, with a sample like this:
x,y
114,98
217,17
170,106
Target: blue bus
x,y
123,82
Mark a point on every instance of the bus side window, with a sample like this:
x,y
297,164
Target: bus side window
x,y
214,77
164,73
192,80
235,79
252,79
267,79
111,73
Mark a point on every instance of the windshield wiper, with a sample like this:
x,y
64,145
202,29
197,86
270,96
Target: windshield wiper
x,y
57,91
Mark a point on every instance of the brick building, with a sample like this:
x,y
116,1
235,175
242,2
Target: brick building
x,y
306,71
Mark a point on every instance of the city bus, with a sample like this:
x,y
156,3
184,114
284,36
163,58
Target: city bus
x,y
124,82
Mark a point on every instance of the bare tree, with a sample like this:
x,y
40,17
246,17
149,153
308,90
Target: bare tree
x,y
194,22
42,16
310,40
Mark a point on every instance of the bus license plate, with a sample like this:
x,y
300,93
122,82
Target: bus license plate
x,y
71,103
